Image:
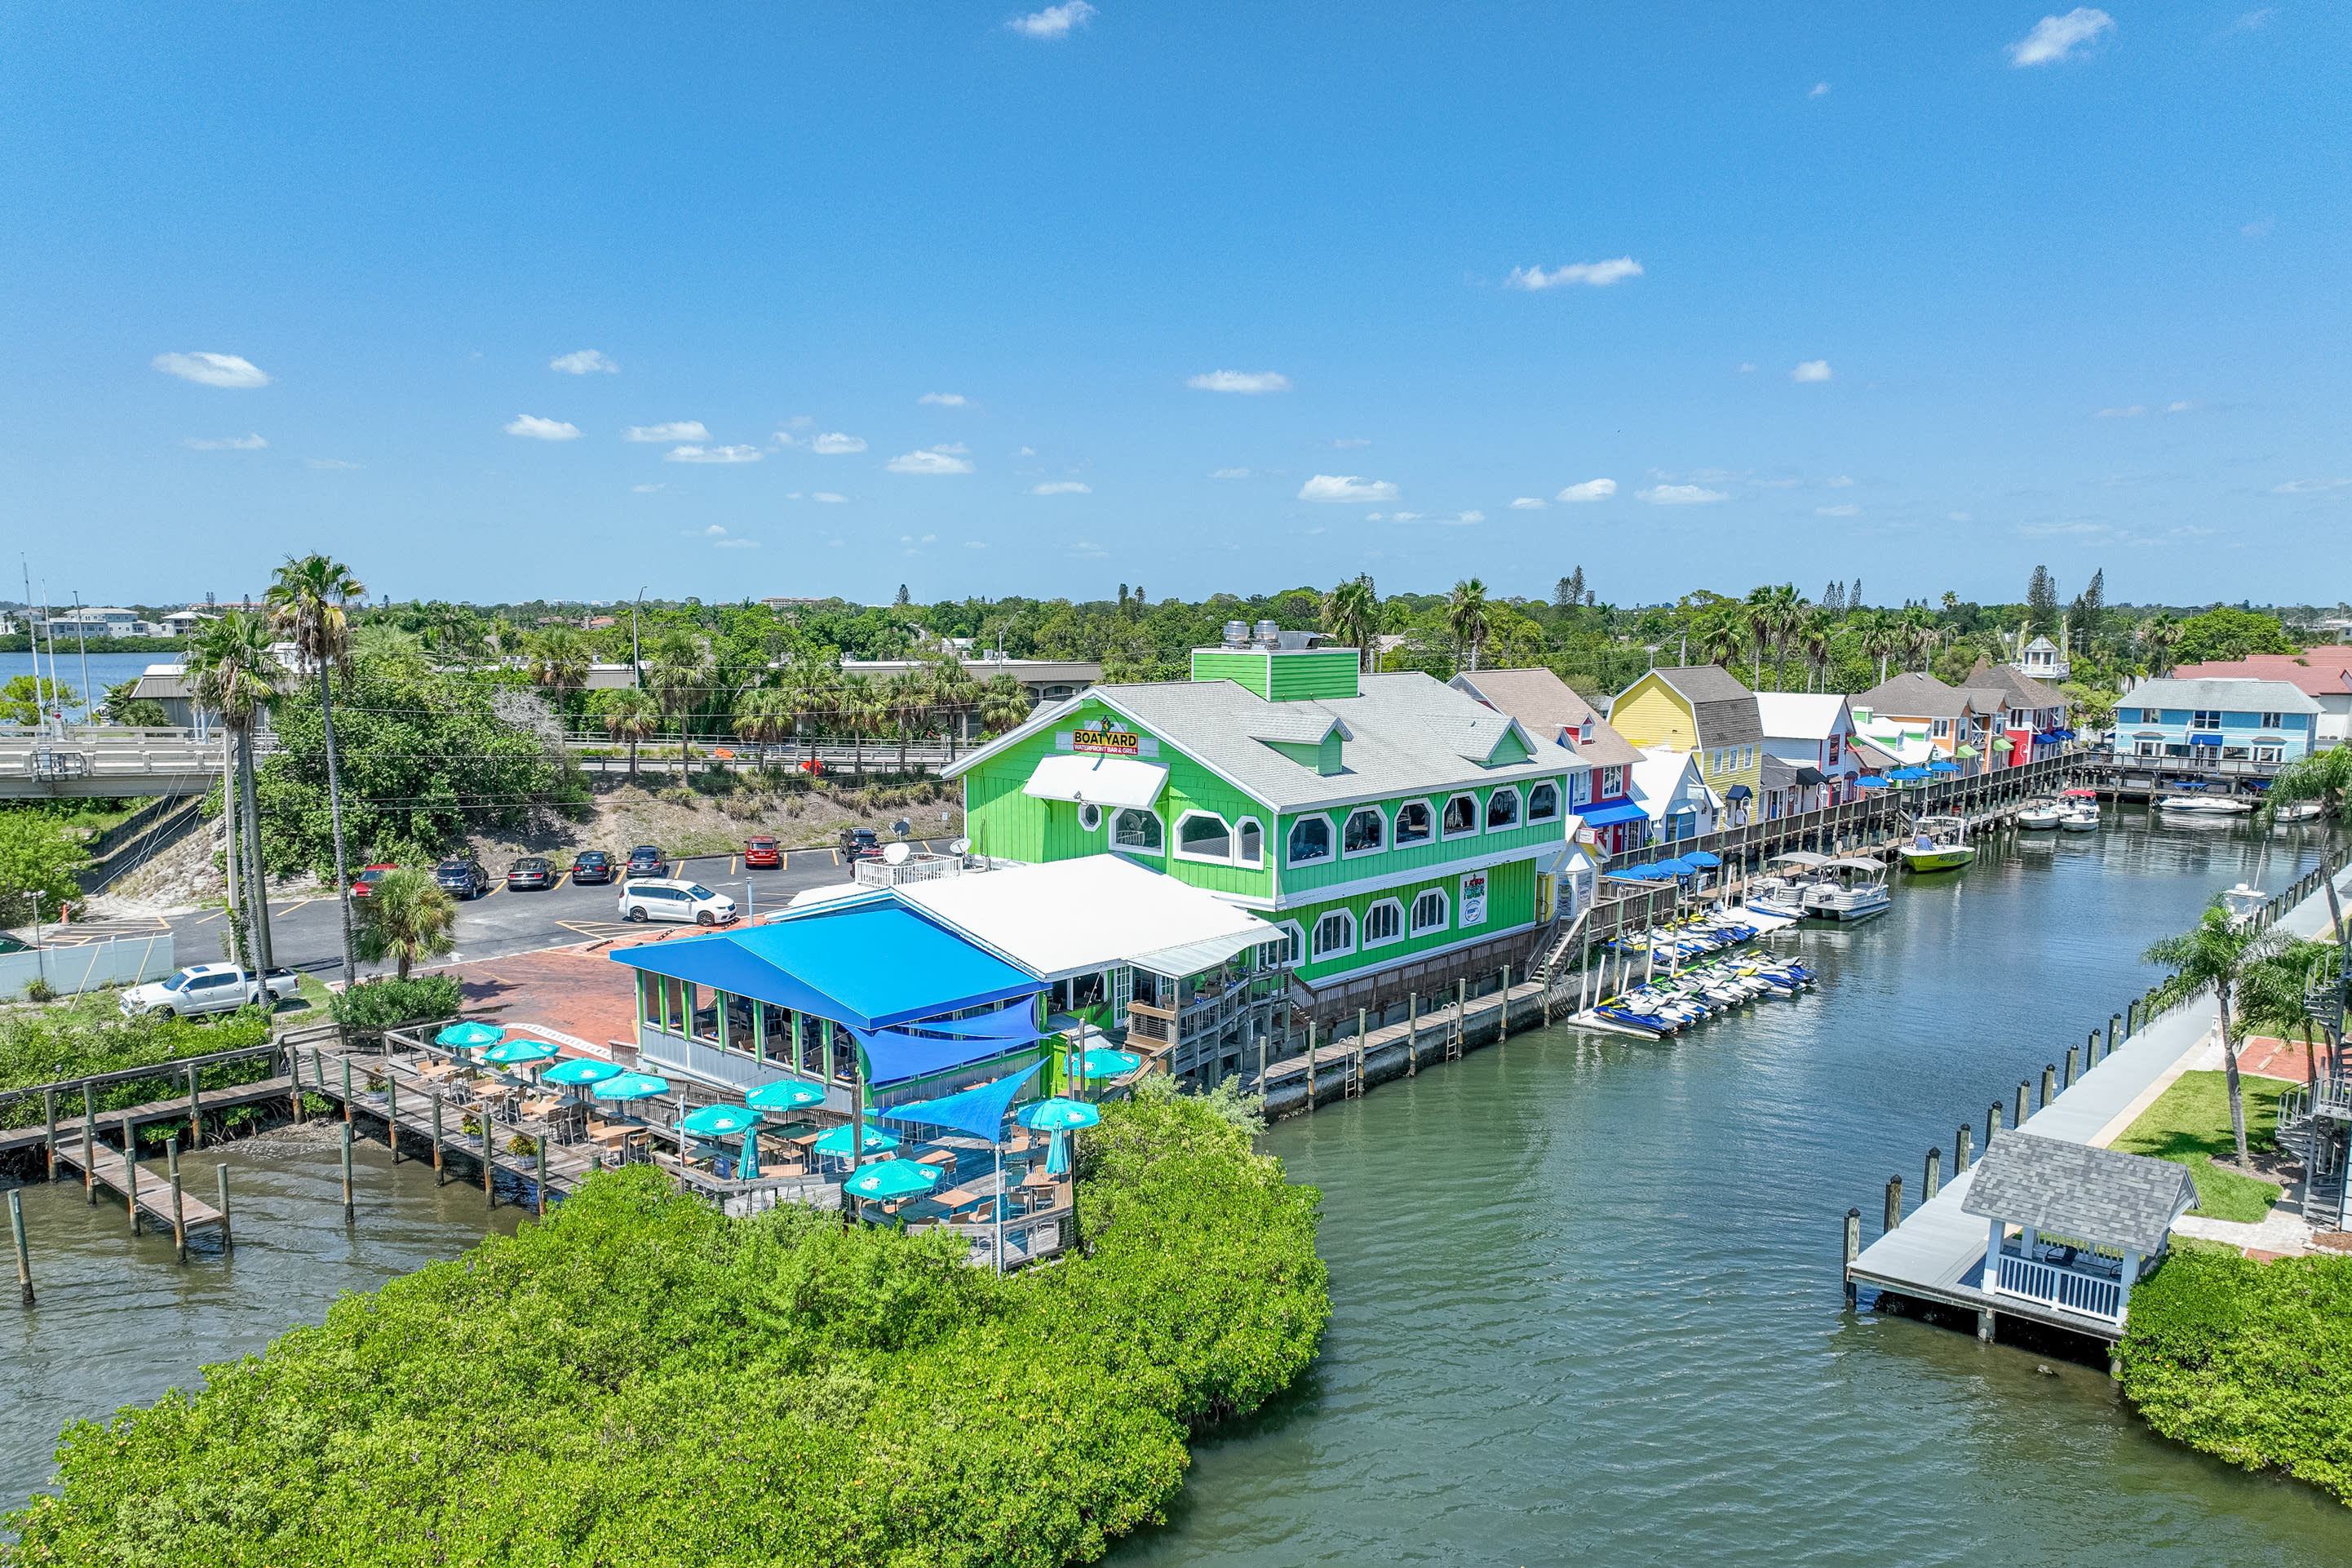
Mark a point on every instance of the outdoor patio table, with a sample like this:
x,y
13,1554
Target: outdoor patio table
x,y
943,1158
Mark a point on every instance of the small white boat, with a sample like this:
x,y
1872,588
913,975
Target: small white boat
x,y
2041,814
1779,888
2295,811
2244,901
2081,817
1849,889
2206,804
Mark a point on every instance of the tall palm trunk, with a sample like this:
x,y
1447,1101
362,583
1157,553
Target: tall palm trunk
x,y
335,822
256,873
2229,1071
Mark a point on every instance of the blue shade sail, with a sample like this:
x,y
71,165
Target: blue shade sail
x,y
979,1111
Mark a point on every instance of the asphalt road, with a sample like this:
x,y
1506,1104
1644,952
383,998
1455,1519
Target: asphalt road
x,y
307,934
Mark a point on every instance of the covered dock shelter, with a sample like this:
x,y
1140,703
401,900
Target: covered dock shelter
x,y
2087,1221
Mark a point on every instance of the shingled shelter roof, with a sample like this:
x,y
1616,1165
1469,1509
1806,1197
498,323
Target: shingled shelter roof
x,y
2074,1190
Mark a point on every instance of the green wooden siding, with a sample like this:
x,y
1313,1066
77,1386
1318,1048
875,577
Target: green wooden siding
x,y
1510,902
1303,674
1299,881
1243,669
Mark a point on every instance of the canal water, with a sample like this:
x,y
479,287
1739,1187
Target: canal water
x,y
1586,1287
87,676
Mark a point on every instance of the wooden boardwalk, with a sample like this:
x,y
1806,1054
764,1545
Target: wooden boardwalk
x,y
181,1107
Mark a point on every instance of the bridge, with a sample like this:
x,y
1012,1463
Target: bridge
x,y
100,761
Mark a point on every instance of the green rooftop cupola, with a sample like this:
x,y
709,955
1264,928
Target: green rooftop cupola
x,y
1279,666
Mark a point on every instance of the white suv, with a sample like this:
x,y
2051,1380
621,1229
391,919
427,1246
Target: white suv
x,y
656,899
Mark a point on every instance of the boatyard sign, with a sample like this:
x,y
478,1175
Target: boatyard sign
x,y
1474,900
1108,742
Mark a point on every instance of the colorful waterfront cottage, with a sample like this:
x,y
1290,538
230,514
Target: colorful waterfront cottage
x,y
2323,673
2259,721
1601,791
1708,711
1675,798
2034,716
1809,756
1398,833
1961,723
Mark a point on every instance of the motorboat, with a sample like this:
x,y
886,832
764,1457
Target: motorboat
x,y
2041,813
2295,811
2244,901
2081,817
1779,888
1937,844
1853,889
2206,804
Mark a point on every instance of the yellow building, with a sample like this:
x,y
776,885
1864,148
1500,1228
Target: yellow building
x,y
1705,711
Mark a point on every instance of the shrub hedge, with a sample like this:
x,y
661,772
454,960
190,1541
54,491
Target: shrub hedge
x,y
92,1036
641,1380
2249,1362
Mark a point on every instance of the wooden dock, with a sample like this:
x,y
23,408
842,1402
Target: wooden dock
x,y
148,1189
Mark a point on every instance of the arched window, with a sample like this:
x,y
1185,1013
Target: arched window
x,y
1367,830
1136,829
1385,921
1249,843
1310,840
1203,836
1414,824
1335,933
1461,815
1283,950
1502,810
1429,912
1543,802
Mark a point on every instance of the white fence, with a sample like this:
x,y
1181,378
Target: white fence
x,y
72,970
2083,1293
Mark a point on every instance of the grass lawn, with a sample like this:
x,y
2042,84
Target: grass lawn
x,y
2190,1123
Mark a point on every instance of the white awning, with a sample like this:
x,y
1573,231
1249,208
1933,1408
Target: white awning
x,y
1081,916
1098,781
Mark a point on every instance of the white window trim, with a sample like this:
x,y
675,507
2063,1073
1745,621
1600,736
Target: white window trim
x,y
1258,864
1366,942
1297,938
1613,782
1387,832
1559,793
1518,809
1329,826
1444,922
1434,811
1085,807
1137,848
1176,842
1353,930
1477,816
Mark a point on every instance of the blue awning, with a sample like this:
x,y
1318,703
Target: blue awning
x,y
865,965
979,1111
1610,815
1739,792
2204,738
1943,767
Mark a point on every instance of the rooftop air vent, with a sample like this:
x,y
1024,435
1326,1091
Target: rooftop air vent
x,y
1236,633
1269,634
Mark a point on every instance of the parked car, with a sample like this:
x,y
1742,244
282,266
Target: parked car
x,y
646,860
365,883
530,871
210,988
761,851
660,898
462,876
860,843
592,866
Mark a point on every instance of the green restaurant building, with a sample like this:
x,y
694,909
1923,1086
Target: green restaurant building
x,y
1399,834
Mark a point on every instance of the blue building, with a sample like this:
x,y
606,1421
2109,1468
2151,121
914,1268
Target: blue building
x,y
2210,719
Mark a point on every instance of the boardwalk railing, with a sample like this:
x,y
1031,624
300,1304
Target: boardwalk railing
x,y
2085,1293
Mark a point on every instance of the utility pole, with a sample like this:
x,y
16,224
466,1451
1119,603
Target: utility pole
x,y
32,638
81,635
636,670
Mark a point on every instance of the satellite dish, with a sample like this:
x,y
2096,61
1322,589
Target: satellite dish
x,y
902,828
958,845
893,854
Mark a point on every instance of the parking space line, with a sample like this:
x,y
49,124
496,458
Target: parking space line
x,y
213,916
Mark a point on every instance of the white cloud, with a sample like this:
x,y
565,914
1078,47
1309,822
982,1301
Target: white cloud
x,y
715,531
713,455
1054,21
974,544
1346,487
945,399
225,443
1399,517
682,430
1249,380
1748,367
2254,19
1595,274
646,490
1233,473
829,498
2057,38
1087,547
1462,517
1680,495
584,362
1061,488
1811,370
1837,512
2183,406
1368,517
1841,482
2308,487
953,449
933,462
2133,411
1961,516
1348,443
537,430
1591,490
212,369
833,444
1024,451
1820,89
738,544
326,463
1526,504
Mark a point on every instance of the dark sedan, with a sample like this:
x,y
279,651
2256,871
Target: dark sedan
x,y
861,843
646,860
592,866
530,871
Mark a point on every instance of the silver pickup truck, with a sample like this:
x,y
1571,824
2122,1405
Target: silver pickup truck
x,y
211,988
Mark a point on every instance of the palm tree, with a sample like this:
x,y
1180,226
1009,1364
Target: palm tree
x,y
858,707
1815,628
408,919
633,716
558,658
236,676
954,693
2278,991
307,605
1876,632
681,674
1465,618
1353,612
2158,634
2323,776
1721,637
2215,956
811,683
764,716
906,698
1915,634
1003,704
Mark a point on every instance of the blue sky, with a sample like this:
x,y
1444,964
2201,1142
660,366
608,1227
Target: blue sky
x,y
1054,301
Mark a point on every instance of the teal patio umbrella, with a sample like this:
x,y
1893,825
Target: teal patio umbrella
x,y
630,1086
784,1094
1107,1061
577,1070
519,1053
720,1121
747,1164
836,1141
893,1179
464,1036
1059,1117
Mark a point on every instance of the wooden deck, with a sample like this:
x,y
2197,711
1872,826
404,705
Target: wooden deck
x,y
145,1187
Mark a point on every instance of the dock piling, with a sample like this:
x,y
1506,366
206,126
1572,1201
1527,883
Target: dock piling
x,y
179,1206
220,1173
17,1234
49,1111
2115,1022
1933,1181
2024,1088
391,1113
1894,1202
195,1112
1413,1034
1992,1124
1503,1028
438,1178
1310,1065
347,1092
129,1173
1960,1149
490,1167
2049,1083
88,1147
1461,1020
1852,1250
351,1212
2074,1063
1363,1017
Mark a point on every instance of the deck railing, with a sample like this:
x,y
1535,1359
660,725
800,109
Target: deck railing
x,y
2088,1294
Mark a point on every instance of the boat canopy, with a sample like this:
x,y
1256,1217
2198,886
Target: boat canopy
x,y
1804,857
